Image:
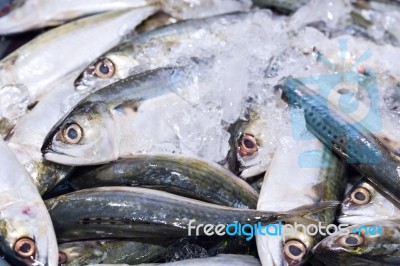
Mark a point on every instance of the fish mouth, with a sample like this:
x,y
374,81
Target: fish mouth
x,y
47,146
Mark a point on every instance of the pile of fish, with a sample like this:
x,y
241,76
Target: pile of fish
x,y
132,128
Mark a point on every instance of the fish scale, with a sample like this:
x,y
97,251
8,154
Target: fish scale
x,y
146,213
349,141
182,175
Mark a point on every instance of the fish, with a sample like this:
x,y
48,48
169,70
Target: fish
x,y
350,141
23,84
301,172
31,130
105,125
46,175
219,260
26,230
112,251
128,212
35,14
364,203
184,175
156,49
362,248
19,16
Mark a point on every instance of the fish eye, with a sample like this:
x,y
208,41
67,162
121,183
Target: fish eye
x,y
294,250
62,258
25,247
247,145
360,196
351,240
72,133
5,7
104,68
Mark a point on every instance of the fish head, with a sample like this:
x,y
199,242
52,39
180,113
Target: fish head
x,y
251,156
107,69
363,203
85,135
357,244
291,249
25,237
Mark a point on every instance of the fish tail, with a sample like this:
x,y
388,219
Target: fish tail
x,y
301,213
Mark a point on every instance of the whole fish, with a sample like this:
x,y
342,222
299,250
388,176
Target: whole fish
x,y
219,260
27,235
184,175
19,15
22,83
365,204
361,248
112,251
301,172
104,134
350,141
159,48
122,212
33,14
113,122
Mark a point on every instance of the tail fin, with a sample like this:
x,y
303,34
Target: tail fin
x,y
299,214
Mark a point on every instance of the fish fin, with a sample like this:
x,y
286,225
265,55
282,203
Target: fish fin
x,y
303,211
127,106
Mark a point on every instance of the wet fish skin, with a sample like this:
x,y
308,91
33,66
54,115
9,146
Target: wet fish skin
x,y
310,172
34,14
138,55
184,175
22,84
368,250
122,212
46,175
106,117
23,214
219,260
374,206
365,153
118,251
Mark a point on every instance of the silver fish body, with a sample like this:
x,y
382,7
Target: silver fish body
x,y
350,141
158,48
112,251
184,175
219,260
35,14
122,212
22,83
27,235
30,132
301,172
108,133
